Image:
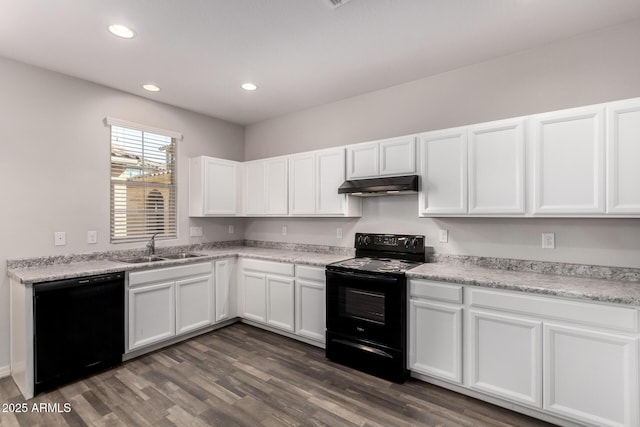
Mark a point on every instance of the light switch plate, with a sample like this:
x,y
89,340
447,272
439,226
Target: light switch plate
x,y
92,237
60,238
339,233
195,231
231,229
284,230
443,236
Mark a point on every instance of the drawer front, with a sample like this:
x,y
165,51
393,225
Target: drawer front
x,y
436,290
600,315
169,273
306,272
272,267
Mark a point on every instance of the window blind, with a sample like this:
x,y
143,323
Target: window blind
x,y
143,185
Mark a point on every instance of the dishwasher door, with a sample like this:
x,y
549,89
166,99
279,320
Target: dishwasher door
x,y
78,328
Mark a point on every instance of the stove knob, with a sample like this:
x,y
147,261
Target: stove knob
x,y
359,241
414,243
367,240
406,243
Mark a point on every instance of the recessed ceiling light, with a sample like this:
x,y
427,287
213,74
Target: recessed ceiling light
x,y
249,86
151,88
122,31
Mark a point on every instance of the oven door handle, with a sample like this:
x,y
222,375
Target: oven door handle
x,y
364,276
363,348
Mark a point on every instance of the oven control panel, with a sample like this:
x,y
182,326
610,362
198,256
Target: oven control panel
x,y
390,242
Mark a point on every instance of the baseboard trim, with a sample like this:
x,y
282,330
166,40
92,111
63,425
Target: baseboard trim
x,y
5,371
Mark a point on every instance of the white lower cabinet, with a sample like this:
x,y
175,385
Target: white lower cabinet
x,y
152,314
506,356
225,284
435,330
267,293
280,302
591,376
310,302
571,360
166,302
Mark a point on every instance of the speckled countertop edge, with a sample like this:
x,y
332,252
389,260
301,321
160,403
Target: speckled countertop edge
x,y
602,290
60,271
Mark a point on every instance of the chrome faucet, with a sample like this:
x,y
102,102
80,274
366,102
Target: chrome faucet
x,y
151,244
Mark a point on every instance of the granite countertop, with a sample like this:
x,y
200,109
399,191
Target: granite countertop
x,y
611,291
60,271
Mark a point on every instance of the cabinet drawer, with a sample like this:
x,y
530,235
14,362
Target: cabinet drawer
x,y
436,290
280,268
620,318
310,273
169,273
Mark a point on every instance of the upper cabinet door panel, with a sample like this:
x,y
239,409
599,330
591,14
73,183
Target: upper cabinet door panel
x,y
302,185
363,160
213,187
568,169
496,168
623,152
276,186
443,169
329,176
254,188
398,156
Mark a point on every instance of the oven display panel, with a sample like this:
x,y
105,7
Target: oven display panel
x,y
385,240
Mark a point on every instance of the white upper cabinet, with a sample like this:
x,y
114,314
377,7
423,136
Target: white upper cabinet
x,y
568,162
394,156
496,167
314,178
213,187
266,187
623,152
443,169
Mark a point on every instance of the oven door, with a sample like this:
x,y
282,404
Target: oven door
x,y
367,307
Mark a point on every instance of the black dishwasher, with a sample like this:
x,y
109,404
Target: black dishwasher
x,y
78,328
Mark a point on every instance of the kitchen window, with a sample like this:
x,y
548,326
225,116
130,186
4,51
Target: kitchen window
x,y
143,182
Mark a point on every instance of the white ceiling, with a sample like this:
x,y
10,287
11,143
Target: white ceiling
x,y
300,53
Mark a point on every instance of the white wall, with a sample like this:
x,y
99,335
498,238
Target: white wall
x,y
54,166
593,68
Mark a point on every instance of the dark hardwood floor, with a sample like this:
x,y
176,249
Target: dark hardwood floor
x,y
243,376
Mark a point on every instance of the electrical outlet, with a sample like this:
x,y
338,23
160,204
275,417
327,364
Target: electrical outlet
x,y
284,230
195,231
60,238
231,230
339,233
92,237
548,240
443,236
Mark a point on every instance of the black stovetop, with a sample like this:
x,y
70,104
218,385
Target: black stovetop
x,y
374,265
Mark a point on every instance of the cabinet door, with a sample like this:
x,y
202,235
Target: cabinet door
x,y
505,357
276,175
302,184
219,189
623,152
568,171
329,176
254,296
225,271
591,376
151,314
398,156
254,188
435,340
443,170
280,302
194,303
363,160
310,309
496,168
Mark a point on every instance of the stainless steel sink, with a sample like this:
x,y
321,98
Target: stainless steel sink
x,y
141,259
183,255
